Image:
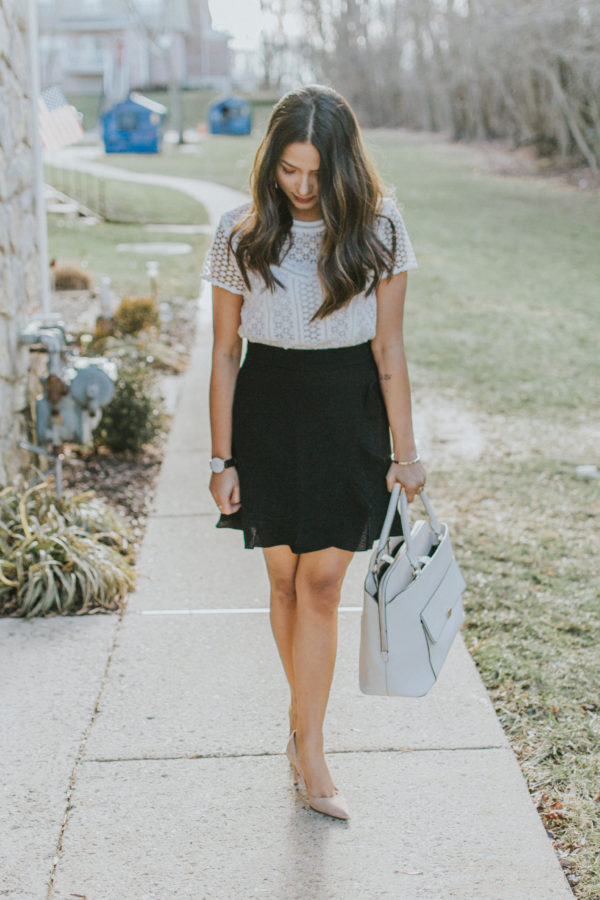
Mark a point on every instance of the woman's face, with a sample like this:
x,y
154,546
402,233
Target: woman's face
x,y
298,177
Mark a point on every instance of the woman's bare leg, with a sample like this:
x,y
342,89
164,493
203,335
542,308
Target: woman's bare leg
x,y
281,567
318,583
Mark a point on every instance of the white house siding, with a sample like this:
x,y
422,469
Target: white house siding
x,y
103,47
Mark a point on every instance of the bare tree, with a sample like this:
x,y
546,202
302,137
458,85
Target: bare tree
x,y
160,36
528,70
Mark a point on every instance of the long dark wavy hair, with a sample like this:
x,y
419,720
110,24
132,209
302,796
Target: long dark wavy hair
x,y
352,257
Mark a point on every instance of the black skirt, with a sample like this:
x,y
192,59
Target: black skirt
x,y
312,444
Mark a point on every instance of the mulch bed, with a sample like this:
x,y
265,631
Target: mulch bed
x,y
125,481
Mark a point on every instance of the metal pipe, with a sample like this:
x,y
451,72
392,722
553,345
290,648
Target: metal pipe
x,y
57,459
36,146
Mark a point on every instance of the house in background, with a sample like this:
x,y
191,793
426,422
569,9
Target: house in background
x,y
111,46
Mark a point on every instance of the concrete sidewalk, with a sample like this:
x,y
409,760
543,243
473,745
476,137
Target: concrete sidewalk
x,y
143,755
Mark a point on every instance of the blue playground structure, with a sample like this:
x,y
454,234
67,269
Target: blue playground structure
x,y
230,116
134,126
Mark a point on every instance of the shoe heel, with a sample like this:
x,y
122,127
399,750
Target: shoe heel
x,y
336,806
291,755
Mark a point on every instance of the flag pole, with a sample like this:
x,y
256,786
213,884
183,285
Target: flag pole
x,y
36,146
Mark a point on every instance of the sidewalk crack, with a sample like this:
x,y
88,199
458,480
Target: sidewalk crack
x,y
274,753
79,759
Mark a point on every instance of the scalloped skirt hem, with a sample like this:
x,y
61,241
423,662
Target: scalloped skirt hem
x,y
256,536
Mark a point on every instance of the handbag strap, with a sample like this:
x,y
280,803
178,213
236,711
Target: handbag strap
x,y
389,517
398,501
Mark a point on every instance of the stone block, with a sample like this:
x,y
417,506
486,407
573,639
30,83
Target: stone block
x,y
5,407
15,288
5,364
4,296
3,181
7,129
21,17
4,32
19,109
8,288
19,56
20,294
4,235
15,230
19,283
20,169
31,302
28,241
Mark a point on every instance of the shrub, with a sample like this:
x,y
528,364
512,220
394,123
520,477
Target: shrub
x,y
61,555
134,416
137,313
105,326
145,349
71,278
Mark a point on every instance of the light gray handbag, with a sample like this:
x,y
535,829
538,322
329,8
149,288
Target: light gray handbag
x,y
412,605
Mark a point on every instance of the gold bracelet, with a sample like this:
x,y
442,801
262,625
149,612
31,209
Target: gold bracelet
x,y
408,462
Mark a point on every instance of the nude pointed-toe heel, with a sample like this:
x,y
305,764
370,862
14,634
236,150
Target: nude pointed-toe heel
x,y
336,806
291,755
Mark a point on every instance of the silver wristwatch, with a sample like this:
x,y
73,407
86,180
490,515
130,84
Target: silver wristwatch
x,y
217,464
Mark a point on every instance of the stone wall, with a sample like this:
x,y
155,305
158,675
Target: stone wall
x,y
19,266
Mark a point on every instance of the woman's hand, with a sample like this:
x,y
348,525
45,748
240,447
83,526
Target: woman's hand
x,y
225,488
412,478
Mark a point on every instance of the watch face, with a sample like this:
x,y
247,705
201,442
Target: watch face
x,y
217,465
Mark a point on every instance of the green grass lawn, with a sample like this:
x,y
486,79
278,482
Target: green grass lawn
x,y
506,299
127,202
130,206
504,306
503,318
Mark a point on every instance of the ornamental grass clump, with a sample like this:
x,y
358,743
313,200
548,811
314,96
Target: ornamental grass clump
x,y
61,555
136,314
69,277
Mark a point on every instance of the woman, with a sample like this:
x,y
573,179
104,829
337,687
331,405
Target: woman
x,y
312,272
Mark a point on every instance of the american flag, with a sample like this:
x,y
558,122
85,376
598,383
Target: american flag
x,y
59,122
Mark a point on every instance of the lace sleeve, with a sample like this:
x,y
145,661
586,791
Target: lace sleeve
x,y
220,266
392,231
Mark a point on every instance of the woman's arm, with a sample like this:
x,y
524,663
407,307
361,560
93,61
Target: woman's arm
x,y
226,355
388,351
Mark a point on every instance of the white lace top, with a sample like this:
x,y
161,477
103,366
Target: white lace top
x,y
281,316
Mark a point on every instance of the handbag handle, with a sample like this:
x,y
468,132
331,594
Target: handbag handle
x,y
399,494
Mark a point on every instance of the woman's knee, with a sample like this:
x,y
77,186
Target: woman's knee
x,y
281,569
319,590
283,589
